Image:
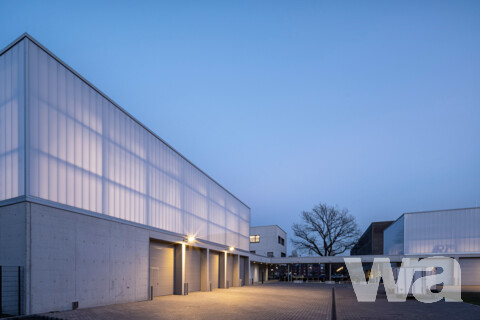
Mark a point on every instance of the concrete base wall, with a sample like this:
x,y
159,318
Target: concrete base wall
x,y
68,257
93,261
13,253
13,225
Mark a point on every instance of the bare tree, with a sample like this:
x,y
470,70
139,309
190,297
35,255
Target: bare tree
x,y
326,231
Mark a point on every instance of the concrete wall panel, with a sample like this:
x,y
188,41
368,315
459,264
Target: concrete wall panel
x,y
13,235
80,258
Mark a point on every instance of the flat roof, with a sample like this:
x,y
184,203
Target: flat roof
x,y
269,225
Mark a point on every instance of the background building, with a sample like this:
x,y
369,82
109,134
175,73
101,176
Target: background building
x,y
454,233
371,242
268,241
96,209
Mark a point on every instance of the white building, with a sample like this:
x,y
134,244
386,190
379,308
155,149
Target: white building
x,y
268,241
453,233
95,208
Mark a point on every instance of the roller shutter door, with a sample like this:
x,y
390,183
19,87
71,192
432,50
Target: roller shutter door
x,y
470,272
192,268
161,269
242,271
230,270
214,266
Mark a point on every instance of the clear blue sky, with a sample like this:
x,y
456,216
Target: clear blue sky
x,y
370,105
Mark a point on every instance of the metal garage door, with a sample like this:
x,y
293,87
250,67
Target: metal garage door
x,y
192,268
242,271
470,272
214,265
161,269
230,270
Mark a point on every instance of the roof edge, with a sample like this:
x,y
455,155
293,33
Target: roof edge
x,y
441,210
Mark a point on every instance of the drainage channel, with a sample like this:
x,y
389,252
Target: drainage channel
x,y
334,310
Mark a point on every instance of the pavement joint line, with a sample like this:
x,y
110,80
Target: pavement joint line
x,y
334,311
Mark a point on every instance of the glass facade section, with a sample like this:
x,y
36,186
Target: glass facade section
x,y
85,152
393,238
12,128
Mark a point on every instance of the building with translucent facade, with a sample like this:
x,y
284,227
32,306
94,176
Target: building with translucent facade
x,y
94,207
453,233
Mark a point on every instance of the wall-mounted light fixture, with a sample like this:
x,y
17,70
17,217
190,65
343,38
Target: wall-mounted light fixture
x,y
231,248
189,239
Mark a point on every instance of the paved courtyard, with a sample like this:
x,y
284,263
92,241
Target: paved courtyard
x,y
274,301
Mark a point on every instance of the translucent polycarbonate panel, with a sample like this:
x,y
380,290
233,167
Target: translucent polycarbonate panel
x,y
87,153
12,122
438,232
393,238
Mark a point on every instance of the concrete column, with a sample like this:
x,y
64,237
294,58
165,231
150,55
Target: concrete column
x,y
205,269
222,270
236,270
179,271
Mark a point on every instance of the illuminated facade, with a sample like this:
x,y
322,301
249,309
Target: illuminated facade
x,y
452,233
66,148
434,232
72,145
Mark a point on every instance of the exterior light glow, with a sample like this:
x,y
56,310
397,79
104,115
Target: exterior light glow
x,y
231,248
191,239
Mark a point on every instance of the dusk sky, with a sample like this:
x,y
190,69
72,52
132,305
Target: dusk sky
x,y
373,106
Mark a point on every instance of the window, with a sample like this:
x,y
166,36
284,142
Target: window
x,y
281,241
283,254
253,251
270,254
255,239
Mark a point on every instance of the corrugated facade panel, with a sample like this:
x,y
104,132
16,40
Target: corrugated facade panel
x,y
87,153
12,128
438,232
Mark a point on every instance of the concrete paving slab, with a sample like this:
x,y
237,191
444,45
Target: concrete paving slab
x,y
275,301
